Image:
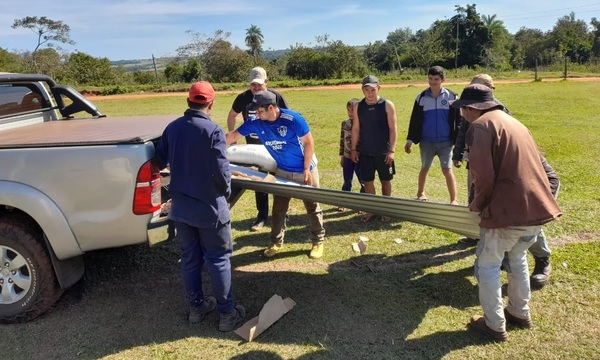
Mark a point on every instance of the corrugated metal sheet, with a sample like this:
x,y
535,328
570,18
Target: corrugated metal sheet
x,y
453,218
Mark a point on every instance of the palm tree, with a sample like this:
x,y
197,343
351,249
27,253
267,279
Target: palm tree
x,y
493,25
254,40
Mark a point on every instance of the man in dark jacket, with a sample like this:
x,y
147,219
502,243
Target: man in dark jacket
x,y
512,195
194,148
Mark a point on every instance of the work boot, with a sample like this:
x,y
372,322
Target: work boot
x,y
233,319
541,272
197,313
272,250
478,324
316,252
517,321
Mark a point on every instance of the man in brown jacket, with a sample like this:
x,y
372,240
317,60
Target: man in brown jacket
x,y
512,195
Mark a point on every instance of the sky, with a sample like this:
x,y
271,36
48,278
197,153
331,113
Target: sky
x,y
140,29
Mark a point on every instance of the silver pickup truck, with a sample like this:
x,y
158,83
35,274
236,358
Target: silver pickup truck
x,y
67,186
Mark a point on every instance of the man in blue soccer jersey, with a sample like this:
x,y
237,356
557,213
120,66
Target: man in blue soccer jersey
x,y
258,82
287,137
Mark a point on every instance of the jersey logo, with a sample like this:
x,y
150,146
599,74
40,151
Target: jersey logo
x,y
282,130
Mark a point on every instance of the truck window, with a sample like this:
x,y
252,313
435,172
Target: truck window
x,y
16,98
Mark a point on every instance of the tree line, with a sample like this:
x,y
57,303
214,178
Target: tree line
x,y
466,40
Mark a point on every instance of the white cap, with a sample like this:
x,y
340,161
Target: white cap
x,y
258,75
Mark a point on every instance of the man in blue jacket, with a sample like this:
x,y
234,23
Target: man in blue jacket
x,y
194,148
433,125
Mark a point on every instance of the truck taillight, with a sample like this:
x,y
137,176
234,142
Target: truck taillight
x,y
147,198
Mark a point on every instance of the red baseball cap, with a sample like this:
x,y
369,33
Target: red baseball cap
x,y
201,93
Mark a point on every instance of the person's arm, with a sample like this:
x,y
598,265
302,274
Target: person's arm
x,y
355,134
342,143
231,117
390,110
232,136
552,176
161,151
459,147
221,171
413,136
481,165
309,151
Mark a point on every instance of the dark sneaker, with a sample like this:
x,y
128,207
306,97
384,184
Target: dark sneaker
x,y
258,224
478,324
517,321
197,313
233,319
541,272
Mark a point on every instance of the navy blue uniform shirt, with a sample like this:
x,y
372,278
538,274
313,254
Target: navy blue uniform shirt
x,y
194,148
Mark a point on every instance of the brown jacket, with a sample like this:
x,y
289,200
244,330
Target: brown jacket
x,y
510,185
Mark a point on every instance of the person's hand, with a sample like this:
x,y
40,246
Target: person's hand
x,y
308,177
341,161
456,163
354,156
389,158
407,147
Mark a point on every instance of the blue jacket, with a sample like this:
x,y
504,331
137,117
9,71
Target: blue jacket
x,y
194,148
432,119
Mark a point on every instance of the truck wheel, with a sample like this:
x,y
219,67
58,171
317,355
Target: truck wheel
x,y
28,285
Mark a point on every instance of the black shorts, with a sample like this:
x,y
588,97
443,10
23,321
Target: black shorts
x,y
370,164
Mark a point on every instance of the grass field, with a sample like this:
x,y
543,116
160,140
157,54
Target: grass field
x,y
400,300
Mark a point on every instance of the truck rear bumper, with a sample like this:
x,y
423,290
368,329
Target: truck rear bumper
x,y
159,230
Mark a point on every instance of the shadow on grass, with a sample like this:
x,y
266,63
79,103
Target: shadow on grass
x,y
370,306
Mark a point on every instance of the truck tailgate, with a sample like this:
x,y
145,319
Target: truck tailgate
x,y
100,131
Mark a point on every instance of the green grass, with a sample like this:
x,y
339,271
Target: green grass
x,y
397,301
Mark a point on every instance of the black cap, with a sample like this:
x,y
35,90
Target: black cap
x,y
477,96
371,81
262,98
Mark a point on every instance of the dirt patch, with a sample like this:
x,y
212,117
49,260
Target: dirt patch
x,y
95,97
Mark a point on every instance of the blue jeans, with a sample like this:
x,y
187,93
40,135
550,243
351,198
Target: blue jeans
x,y
211,246
349,168
491,249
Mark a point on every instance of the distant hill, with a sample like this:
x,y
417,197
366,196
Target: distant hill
x,y
161,63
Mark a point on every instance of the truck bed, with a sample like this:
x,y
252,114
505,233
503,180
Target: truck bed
x,y
100,131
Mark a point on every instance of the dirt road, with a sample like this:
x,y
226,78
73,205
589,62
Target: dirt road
x,y
96,98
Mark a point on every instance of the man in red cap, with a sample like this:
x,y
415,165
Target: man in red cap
x,y
194,148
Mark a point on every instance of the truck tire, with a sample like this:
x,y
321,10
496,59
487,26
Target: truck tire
x,y
28,285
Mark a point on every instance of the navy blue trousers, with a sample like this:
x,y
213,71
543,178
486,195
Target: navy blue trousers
x,y
211,246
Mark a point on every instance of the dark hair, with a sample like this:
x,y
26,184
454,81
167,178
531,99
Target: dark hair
x,y
266,106
437,70
352,102
196,106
